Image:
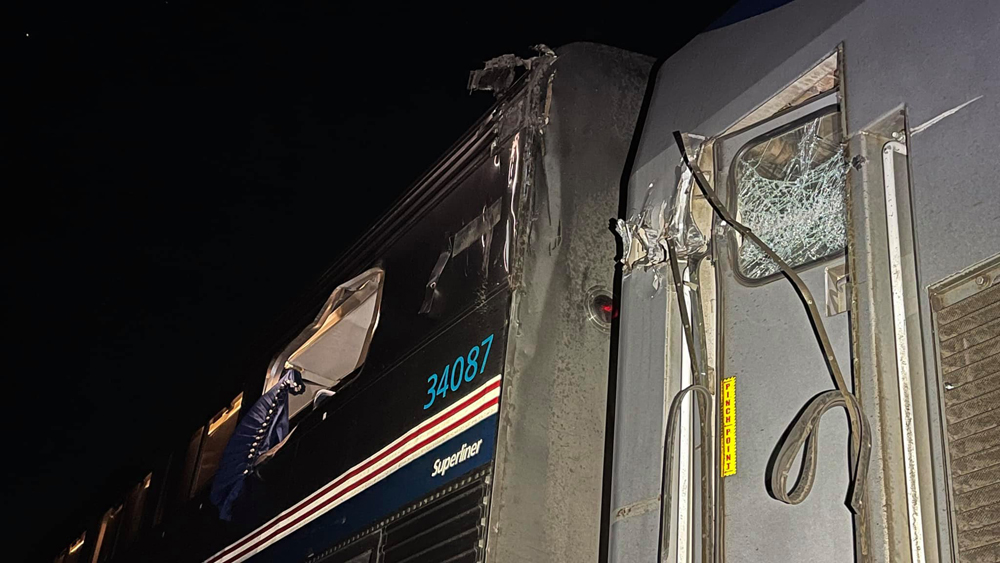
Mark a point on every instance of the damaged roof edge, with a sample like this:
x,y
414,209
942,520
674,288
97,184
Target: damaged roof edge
x,y
287,324
499,73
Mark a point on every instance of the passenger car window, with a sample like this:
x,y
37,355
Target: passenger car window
x,y
104,548
217,433
336,343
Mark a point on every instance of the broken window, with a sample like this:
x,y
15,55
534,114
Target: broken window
x,y
336,343
790,190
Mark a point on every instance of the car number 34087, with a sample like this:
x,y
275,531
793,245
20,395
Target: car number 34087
x,y
464,369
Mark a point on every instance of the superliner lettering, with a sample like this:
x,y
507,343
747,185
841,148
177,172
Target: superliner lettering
x,y
465,452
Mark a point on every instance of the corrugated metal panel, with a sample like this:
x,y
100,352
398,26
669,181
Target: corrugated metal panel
x,y
449,530
967,320
363,550
447,526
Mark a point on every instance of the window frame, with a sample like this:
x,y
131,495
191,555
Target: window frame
x,y
107,540
201,481
732,185
339,296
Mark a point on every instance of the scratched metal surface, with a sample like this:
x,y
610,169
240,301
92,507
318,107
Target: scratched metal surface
x,y
548,477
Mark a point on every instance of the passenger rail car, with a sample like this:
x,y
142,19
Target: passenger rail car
x,y
446,383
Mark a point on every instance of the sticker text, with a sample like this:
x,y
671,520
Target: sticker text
x,y
728,406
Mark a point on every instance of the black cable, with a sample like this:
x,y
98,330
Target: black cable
x,y
668,448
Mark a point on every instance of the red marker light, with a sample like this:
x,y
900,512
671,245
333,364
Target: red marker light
x,y
603,309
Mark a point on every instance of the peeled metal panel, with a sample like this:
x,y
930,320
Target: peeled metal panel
x,y
967,320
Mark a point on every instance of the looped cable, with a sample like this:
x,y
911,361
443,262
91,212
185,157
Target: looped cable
x,y
803,436
668,447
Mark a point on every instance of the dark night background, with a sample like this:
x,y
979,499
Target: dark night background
x,y
178,172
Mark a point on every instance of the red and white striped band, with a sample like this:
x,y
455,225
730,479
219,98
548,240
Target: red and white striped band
x,y
478,405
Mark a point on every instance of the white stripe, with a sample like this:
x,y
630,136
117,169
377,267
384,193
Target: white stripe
x,y
382,467
382,470
443,419
465,426
383,464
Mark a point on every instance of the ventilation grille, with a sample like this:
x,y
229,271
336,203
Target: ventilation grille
x,y
361,550
449,530
967,319
447,526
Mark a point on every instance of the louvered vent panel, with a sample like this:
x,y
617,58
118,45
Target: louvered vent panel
x,y
967,319
361,550
448,530
446,526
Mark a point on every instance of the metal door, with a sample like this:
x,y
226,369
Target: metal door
x,y
780,182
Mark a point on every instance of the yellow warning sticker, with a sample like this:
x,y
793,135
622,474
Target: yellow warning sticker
x,y
728,406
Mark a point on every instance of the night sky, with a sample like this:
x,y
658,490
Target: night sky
x,y
177,172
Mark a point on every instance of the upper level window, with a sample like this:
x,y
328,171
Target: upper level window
x,y
133,515
216,434
790,189
107,535
75,549
74,552
336,342
191,469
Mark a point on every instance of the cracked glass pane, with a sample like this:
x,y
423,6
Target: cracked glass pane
x,y
791,192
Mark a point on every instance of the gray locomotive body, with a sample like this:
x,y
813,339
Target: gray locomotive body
x,y
859,140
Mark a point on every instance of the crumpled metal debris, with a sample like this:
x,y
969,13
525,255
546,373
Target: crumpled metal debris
x,y
682,233
479,230
791,192
500,72
645,235
643,243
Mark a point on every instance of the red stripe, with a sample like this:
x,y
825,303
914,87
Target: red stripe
x,y
437,419
367,478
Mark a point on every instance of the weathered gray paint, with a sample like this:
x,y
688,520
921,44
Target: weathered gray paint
x,y
925,55
639,419
547,492
770,349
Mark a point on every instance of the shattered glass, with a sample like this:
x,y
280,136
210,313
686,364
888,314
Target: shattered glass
x,y
791,192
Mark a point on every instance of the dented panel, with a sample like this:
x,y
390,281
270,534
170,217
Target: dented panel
x,y
548,480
